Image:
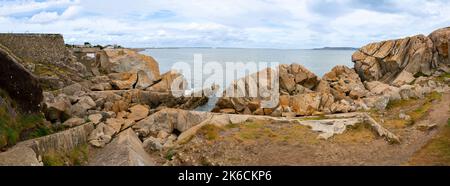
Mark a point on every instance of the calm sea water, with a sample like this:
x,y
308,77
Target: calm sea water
x,y
317,61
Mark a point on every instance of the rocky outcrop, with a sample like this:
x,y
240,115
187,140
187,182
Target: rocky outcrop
x,y
125,150
300,93
20,156
441,42
395,60
167,81
295,79
343,83
21,85
169,120
145,68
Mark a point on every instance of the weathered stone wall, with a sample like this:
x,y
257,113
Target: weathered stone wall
x,y
46,48
46,56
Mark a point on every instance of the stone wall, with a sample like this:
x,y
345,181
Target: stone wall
x,y
44,48
46,56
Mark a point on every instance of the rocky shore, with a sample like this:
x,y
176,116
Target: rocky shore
x,y
116,103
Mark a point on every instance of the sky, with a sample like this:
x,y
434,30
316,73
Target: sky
x,y
284,24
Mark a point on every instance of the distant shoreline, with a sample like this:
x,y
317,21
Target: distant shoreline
x,y
323,48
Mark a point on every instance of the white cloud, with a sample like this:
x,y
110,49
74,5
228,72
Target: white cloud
x,y
232,23
44,17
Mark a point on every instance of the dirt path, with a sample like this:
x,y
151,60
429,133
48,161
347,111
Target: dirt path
x,y
290,144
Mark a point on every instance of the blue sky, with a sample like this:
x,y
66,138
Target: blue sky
x,y
230,23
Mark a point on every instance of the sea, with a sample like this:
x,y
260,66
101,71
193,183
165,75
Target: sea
x,y
318,61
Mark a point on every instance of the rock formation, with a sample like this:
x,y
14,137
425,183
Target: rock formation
x,y
21,85
144,69
395,61
128,109
441,49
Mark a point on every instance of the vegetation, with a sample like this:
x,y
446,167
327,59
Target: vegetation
x,y
442,77
320,117
359,133
170,154
210,132
436,152
76,157
15,126
415,108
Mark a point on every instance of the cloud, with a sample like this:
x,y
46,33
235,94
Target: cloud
x,y
44,17
231,23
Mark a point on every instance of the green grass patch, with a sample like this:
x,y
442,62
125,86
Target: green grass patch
x,y
170,154
15,126
442,77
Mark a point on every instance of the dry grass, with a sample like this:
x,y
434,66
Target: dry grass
x,y
210,132
415,108
76,157
436,152
359,133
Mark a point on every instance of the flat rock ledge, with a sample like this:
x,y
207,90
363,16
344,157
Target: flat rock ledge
x,y
327,126
30,152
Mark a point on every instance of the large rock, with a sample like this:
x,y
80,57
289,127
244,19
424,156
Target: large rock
x,y
251,92
22,86
82,106
138,112
126,60
169,121
167,80
124,81
384,61
57,108
441,42
125,150
377,88
101,135
310,103
343,83
295,78
73,122
143,80
20,156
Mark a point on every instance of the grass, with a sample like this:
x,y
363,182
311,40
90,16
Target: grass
x,y
436,152
210,132
15,126
320,117
76,157
359,133
415,108
170,154
442,77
